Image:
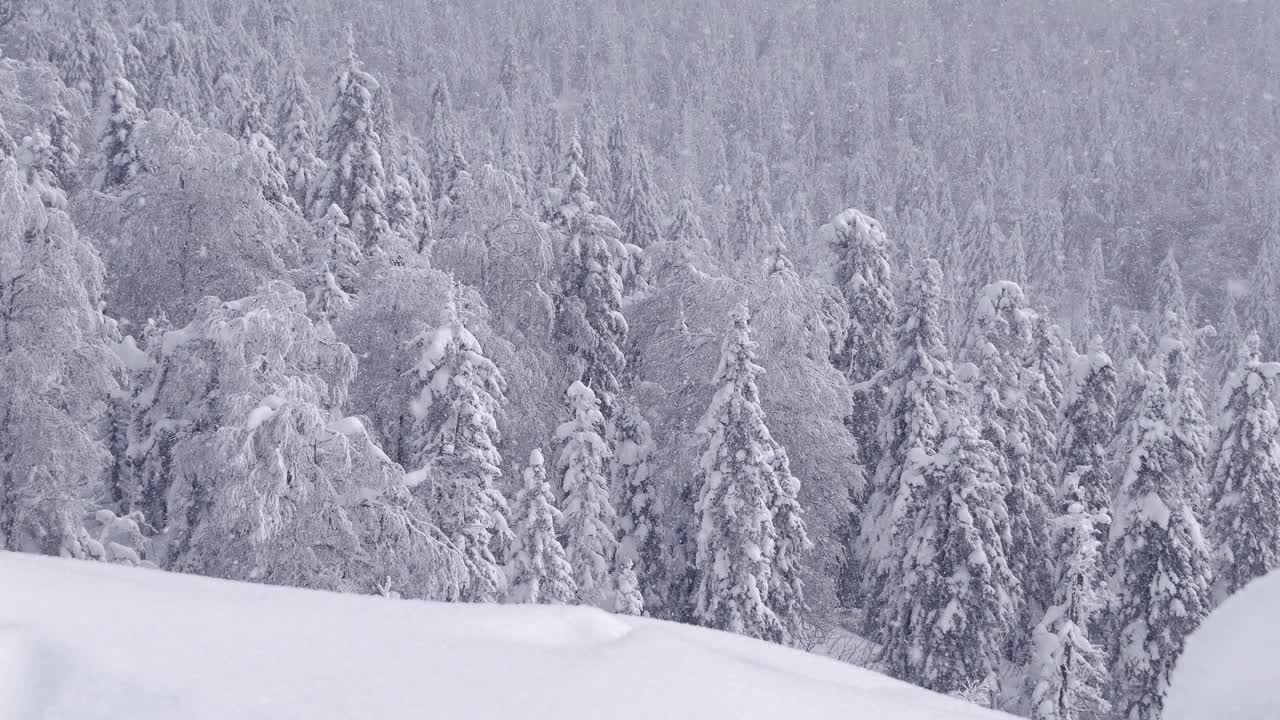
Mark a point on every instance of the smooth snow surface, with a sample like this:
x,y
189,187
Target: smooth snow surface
x,y
1228,670
82,640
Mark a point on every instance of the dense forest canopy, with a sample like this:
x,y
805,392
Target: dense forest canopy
x,y
947,321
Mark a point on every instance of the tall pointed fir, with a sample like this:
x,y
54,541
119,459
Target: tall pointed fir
x,y
686,231
1190,424
330,277
736,474
118,158
354,178
1245,475
638,213
589,517
1089,317
865,279
1005,388
753,227
1086,431
589,305
1169,302
295,113
1230,338
540,571
441,133
1263,313
456,450
942,595
64,158
1162,579
1067,673
636,500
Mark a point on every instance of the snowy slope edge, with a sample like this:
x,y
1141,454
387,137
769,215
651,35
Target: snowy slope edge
x,y
82,640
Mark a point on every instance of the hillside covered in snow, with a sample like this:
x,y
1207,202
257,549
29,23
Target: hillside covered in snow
x,y
86,641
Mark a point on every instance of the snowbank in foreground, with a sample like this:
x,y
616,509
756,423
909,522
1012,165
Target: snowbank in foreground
x,y
82,640
1228,670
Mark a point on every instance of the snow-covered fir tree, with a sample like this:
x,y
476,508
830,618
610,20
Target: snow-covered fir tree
x,y
295,115
936,511
628,599
1068,673
354,179
1162,580
1086,431
455,456
538,567
635,493
1244,477
589,306
737,538
330,277
1005,387
590,521
118,156
639,215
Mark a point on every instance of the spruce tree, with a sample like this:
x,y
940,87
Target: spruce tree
x,y
636,499
936,513
460,393
64,158
354,178
1162,579
1263,313
330,277
1089,320
118,158
1067,675
737,537
863,274
628,599
638,215
589,307
1008,418
589,517
1169,304
1086,431
1245,475
295,114
920,390
540,571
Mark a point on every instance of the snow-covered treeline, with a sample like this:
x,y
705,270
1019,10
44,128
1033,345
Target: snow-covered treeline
x,y
560,302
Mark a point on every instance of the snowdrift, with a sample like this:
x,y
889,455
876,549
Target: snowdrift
x,y
1227,671
81,640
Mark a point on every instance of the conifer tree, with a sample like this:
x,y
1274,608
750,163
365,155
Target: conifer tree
x,y
64,158
1068,672
330,275
1230,338
952,598
1263,313
753,226
441,135
736,476
920,391
636,500
639,217
540,571
628,599
686,230
460,395
1245,475
1091,300
118,158
936,512
1162,580
863,274
786,585
1169,307
589,309
1086,430
355,179
295,113
589,517
1015,425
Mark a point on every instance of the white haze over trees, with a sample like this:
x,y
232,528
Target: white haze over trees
x,y
950,324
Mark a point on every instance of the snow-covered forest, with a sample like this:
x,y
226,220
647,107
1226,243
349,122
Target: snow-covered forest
x,y
949,321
